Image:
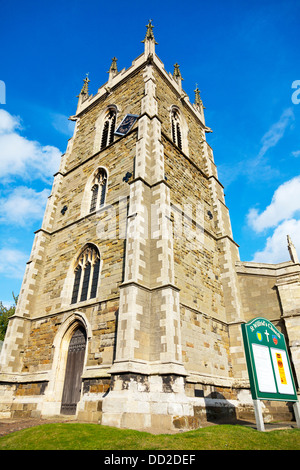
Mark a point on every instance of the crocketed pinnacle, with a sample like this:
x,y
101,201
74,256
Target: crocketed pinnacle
x,y
113,68
149,34
176,74
85,88
198,100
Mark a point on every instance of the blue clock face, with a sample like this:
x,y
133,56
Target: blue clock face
x,y
126,124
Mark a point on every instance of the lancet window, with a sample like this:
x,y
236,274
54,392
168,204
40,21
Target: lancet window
x,y
99,186
86,275
176,128
108,128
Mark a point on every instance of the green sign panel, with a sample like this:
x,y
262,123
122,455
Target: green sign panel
x,y
268,363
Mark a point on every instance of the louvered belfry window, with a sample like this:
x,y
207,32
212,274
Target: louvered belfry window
x,y
108,129
86,275
98,189
176,129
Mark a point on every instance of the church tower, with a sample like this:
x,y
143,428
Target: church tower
x,y
132,302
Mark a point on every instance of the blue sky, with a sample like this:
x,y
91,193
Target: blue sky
x,y
244,56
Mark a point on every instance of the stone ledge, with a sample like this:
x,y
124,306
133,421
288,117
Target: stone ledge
x,y
25,377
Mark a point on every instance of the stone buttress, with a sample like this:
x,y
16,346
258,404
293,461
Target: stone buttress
x,y
148,351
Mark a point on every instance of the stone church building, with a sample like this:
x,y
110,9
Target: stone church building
x,y
133,298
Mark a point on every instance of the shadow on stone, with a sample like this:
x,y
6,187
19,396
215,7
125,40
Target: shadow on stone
x,y
219,410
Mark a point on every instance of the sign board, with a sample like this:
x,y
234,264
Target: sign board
x,y
126,124
268,362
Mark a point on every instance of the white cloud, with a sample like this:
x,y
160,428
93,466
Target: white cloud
x,y
275,250
8,123
276,132
296,154
22,157
284,205
258,166
283,216
23,206
12,263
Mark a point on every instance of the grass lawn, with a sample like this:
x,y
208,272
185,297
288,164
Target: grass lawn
x,y
81,436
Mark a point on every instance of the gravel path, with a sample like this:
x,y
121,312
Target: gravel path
x,y
11,425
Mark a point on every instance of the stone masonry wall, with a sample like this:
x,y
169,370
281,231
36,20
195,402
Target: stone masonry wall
x,y
205,341
126,97
197,272
38,354
205,346
259,297
166,98
49,295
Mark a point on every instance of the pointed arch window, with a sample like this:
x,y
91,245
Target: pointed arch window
x,y
86,275
176,128
108,128
99,186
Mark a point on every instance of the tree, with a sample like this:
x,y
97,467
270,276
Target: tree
x,y
5,313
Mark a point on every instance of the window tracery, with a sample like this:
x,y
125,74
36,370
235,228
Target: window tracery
x,y
86,275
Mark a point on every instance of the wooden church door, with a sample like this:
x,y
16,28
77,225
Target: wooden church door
x,y
74,367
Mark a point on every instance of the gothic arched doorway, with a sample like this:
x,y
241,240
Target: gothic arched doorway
x,y
74,367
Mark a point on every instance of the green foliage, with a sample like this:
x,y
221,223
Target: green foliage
x,y
82,436
5,313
